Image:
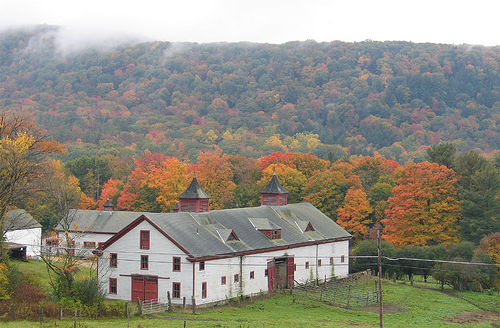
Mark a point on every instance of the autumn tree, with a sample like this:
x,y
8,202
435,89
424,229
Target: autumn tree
x,y
354,213
110,190
213,171
424,209
326,190
23,152
292,179
170,179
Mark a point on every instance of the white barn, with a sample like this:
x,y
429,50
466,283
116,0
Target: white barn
x,y
23,234
211,256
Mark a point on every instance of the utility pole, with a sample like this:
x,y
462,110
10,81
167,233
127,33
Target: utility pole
x,y
381,306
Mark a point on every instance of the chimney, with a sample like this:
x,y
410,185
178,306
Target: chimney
x,y
274,194
194,199
108,206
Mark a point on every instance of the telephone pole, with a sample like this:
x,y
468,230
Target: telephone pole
x,y
381,306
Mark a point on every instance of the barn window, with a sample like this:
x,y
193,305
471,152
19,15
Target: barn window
x,y
112,286
319,262
276,234
236,277
266,272
223,280
113,260
176,290
252,274
331,260
202,265
144,262
177,264
342,258
203,290
89,244
307,265
144,239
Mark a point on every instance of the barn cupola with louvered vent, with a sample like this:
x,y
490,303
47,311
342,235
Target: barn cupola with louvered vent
x,y
274,193
194,199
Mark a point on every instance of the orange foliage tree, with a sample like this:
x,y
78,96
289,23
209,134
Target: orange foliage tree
x,y
354,214
290,178
326,190
110,190
170,180
213,171
424,208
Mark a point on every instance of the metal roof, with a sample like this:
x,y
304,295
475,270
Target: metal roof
x,y
274,187
205,234
194,190
20,220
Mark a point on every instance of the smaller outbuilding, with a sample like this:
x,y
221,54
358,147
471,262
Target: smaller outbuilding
x,y
23,234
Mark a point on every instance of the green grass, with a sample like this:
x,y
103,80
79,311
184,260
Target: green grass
x,y
38,269
422,308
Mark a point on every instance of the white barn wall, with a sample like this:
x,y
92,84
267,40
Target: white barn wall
x,y
162,251
28,237
161,254
228,267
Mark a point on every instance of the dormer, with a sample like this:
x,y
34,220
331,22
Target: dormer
x,y
194,199
227,235
274,193
304,226
266,227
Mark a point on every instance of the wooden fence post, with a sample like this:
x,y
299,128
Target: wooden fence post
x,y
41,314
184,303
169,301
60,313
139,306
193,304
348,294
75,317
12,313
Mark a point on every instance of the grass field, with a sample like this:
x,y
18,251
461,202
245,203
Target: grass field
x,y
39,270
405,306
409,307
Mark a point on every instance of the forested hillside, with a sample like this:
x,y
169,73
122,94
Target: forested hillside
x,y
390,98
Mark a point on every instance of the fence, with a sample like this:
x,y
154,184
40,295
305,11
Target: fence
x,y
351,292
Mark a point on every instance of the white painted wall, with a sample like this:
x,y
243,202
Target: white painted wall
x,y
160,254
29,237
81,237
215,269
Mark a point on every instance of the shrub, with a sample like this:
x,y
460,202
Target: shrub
x,y
87,291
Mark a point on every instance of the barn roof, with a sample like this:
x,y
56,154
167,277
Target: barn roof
x,y
20,220
198,234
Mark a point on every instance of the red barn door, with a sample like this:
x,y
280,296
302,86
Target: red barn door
x,y
137,288
144,288
150,288
271,275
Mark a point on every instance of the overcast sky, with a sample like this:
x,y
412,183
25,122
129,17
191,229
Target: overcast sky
x,y
272,21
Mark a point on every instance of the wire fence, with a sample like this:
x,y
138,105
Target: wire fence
x,y
355,291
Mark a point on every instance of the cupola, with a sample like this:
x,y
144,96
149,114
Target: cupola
x,y
194,199
108,206
274,193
